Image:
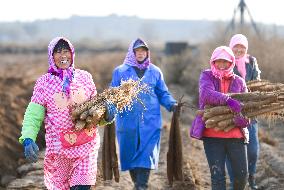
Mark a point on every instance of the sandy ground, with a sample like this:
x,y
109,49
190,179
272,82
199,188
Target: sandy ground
x,y
270,168
158,178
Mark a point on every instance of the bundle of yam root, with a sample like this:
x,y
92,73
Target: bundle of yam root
x,y
265,99
174,154
110,168
92,112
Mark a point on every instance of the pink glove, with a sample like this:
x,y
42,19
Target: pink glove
x,y
234,105
241,121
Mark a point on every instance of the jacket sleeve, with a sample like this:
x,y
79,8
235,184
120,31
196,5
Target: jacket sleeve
x,y
207,92
164,96
243,86
33,119
92,85
35,111
256,71
39,96
115,78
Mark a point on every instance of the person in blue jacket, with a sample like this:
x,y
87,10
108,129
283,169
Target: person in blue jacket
x,y
139,130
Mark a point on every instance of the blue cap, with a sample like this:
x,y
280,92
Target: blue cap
x,y
139,43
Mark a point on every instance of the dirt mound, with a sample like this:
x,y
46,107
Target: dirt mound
x,y
16,84
14,97
12,103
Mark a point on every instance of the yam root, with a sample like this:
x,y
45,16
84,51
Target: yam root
x,y
123,97
267,100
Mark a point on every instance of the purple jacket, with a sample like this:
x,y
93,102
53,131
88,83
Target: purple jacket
x,y
209,89
209,94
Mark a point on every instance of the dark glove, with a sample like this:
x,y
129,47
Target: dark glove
x,y
31,150
241,121
234,105
174,107
110,111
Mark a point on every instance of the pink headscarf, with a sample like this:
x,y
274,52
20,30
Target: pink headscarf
x,y
222,52
66,75
240,62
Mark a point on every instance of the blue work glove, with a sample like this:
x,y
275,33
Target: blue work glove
x,y
110,111
31,150
234,105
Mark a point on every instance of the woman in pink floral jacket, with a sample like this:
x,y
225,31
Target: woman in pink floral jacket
x,y
71,156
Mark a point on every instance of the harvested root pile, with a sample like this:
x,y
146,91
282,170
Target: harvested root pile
x,y
92,112
266,100
264,86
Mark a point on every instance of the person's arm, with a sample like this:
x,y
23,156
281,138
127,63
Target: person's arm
x,y
208,94
244,87
256,71
35,112
92,85
32,122
115,78
164,96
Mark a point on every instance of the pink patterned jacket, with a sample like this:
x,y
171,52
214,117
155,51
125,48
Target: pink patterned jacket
x,y
48,93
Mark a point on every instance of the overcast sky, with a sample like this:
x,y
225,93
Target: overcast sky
x,y
268,12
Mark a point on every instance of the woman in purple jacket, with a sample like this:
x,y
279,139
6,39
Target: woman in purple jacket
x,y
214,84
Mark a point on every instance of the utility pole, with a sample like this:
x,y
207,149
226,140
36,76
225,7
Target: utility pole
x,y
242,7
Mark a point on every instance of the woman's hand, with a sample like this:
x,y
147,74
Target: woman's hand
x,y
241,121
234,105
31,150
